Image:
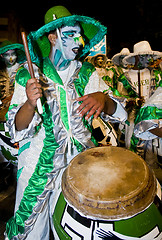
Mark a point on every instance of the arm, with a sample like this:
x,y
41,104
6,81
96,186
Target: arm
x,y
26,112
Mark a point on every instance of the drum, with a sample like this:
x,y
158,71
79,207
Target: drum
x,y
108,193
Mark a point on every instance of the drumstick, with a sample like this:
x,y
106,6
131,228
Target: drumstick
x,y
31,70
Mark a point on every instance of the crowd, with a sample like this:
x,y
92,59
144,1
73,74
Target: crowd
x,y
81,102
136,79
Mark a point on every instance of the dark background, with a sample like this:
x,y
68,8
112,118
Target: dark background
x,y
128,22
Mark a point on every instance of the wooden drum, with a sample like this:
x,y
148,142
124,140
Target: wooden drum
x,y
108,193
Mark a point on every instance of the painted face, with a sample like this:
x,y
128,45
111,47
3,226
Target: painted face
x,y
66,46
71,41
9,58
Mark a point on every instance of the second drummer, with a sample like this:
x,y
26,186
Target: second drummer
x,y
72,93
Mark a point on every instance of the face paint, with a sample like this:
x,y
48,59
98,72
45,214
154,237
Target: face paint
x,y
66,46
9,58
71,41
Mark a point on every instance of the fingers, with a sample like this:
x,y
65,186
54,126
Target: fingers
x,y
84,103
92,104
33,91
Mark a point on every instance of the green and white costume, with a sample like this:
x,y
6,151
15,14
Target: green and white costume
x,y
46,145
51,140
150,117
8,151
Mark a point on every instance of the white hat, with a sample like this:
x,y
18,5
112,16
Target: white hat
x,y
142,48
123,52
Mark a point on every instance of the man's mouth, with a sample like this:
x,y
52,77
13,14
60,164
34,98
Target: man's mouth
x,y
75,50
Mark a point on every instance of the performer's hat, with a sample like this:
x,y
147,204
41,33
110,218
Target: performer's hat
x,y
142,48
124,52
8,45
58,16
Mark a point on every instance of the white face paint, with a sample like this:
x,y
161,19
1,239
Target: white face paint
x,y
9,58
67,46
71,41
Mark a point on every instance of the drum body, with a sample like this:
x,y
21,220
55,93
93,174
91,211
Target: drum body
x,y
107,193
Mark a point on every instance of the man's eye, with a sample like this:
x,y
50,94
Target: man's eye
x,y
71,35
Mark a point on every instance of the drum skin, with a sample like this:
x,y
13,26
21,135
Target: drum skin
x,y
107,193
108,183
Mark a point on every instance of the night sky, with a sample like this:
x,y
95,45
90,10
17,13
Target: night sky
x,y
127,22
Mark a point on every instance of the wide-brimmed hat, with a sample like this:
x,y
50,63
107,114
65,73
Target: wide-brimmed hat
x,y
124,52
8,45
92,31
142,48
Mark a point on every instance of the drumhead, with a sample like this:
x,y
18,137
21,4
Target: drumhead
x,y
108,183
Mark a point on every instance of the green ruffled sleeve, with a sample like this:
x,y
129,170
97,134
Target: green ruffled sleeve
x,y
148,113
22,76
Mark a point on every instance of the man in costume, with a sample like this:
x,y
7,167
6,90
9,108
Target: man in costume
x,y
111,79
71,92
141,83
148,128
11,56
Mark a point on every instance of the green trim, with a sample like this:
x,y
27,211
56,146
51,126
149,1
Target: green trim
x,y
84,74
63,108
50,72
10,107
19,171
38,179
80,84
24,147
122,78
11,46
148,113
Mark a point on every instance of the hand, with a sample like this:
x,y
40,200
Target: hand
x,y
92,103
33,91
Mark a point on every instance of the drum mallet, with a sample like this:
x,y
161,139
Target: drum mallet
x,y
31,70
